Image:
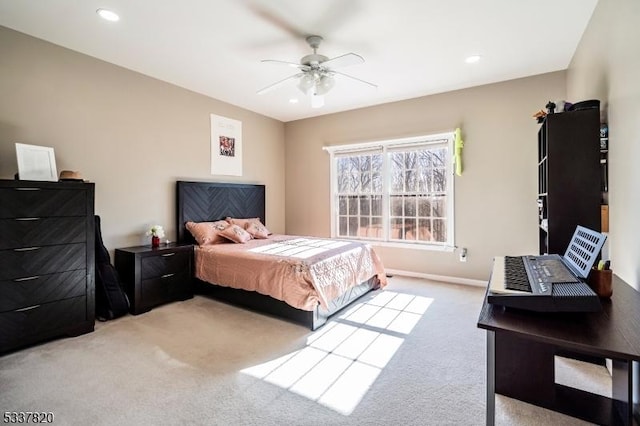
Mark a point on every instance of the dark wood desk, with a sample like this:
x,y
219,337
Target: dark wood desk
x,y
521,347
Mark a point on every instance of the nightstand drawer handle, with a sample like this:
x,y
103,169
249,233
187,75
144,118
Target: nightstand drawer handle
x,y
168,254
27,309
27,249
27,218
35,277
167,275
27,189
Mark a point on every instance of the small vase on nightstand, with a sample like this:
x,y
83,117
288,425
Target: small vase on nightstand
x,y
156,233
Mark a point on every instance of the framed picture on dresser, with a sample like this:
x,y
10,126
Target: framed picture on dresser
x,y
36,162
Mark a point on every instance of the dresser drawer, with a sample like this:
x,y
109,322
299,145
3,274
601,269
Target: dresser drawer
x,y
39,289
39,202
36,320
29,232
23,263
166,288
162,264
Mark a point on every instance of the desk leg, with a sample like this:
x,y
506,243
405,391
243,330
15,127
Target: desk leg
x,y
622,390
491,378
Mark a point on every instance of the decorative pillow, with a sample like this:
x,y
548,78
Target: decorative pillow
x,y
208,232
236,234
257,230
242,223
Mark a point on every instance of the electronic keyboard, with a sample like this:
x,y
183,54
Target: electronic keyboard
x,y
549,283
540,296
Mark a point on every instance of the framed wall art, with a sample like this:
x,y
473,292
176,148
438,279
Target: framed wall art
x,y
226,146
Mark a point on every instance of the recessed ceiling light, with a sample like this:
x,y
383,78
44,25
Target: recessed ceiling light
x,y
293,100
472,59
108,15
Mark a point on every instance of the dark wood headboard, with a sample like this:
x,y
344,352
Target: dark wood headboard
x,y
211,201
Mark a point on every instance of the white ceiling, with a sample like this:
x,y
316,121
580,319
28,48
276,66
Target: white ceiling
x,y
411,47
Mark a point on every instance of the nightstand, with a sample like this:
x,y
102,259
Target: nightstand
x,y
155,275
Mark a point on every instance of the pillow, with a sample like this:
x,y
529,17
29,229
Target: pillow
x,y
207,232
235,234
257,230
242,223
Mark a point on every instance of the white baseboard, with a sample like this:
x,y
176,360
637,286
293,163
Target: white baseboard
x,y
443,278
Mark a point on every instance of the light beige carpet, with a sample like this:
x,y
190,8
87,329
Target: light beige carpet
x,y
410,355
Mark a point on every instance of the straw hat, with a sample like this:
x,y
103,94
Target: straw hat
x,y
70,175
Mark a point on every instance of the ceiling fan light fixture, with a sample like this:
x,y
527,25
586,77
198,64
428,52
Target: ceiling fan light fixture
x,y
307,81
324,84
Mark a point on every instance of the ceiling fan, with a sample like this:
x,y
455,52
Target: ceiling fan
x,y
316,76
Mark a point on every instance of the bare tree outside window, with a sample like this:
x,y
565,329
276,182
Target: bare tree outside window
x,y
416,197
360,195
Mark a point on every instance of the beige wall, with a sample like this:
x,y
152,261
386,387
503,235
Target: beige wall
x,y
495,200
606,66
132,135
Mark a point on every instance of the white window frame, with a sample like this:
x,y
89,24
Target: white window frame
x,y
394,145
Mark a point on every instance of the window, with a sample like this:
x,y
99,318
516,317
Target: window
x,y
398,191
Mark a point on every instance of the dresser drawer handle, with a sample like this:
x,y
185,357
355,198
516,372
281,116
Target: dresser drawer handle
x,y
27,189
27,249
167,275
27,218
168,254
28,308
35,277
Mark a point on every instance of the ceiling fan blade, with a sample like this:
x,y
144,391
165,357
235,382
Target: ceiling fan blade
x,y
343,61
270,15
355,78
334,14
278,83
337,14
291,64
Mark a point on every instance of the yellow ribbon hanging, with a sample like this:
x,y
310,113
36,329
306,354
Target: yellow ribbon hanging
x,y
457,156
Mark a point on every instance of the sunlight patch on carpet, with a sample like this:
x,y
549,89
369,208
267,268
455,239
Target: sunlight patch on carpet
x,y
343,359
390,311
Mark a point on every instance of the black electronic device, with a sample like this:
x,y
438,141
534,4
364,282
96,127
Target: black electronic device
x,y
549,283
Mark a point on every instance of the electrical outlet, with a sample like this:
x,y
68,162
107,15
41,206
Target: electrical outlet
x,y
463,255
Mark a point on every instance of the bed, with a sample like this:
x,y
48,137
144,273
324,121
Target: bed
x,y
209,202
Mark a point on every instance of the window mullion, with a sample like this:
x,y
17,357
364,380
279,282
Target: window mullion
x,y
334,201
386,185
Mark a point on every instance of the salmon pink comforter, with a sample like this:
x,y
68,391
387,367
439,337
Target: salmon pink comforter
x,y
301,271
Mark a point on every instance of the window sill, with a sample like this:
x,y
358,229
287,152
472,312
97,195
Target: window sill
x,y
393,244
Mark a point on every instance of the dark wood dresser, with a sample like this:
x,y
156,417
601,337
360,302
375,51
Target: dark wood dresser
x,y
155,275
46,261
